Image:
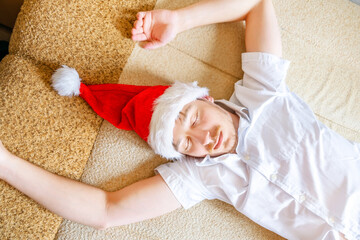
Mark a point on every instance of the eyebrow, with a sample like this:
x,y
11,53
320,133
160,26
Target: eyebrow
x,y
183,120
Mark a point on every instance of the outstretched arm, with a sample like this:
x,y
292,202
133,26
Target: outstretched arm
x,y
83,203
157,28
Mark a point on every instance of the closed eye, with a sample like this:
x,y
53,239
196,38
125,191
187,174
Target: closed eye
x,y
187,144
196,119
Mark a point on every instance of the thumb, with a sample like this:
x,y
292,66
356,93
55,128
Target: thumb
x,y
153,44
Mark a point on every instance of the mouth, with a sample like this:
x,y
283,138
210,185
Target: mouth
x,y
219,141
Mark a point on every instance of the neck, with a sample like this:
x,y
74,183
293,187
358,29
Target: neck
x,y
236,120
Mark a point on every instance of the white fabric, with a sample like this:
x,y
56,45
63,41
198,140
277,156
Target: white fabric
x,y
66,81
291,174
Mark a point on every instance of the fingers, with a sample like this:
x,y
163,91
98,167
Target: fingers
x,y
139,37
138,30
147,22
135,31
138,24
139,20
140,15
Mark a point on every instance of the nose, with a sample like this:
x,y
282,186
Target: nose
x,y
201,136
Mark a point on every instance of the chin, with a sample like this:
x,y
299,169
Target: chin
x,y
217,154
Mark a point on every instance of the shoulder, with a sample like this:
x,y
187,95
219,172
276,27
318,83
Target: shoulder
x,y
264,71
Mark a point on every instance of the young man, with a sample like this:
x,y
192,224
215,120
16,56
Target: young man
x,y
263,151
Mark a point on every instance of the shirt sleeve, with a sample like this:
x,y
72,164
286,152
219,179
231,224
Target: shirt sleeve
x,y
264,72
263,81
183,179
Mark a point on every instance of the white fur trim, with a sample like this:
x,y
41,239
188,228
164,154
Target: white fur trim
x,y
66,81
166,111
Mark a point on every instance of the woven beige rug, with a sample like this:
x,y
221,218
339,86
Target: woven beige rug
x,y
322,40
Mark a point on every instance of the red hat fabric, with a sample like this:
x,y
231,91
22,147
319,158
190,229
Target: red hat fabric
x,y
150,111
118,104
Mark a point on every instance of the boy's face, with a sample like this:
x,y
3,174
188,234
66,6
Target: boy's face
x,y
204,128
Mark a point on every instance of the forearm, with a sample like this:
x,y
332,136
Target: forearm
x,y
214,11
68,198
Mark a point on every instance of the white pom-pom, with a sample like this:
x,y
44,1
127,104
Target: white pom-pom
x,y
66,81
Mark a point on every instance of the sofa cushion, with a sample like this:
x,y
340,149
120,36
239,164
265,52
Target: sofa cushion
x,y
54,132
91,36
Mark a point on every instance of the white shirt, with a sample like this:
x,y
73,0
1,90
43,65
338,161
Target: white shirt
x,y
290,174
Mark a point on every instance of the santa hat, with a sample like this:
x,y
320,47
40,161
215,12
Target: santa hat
x,y
150,111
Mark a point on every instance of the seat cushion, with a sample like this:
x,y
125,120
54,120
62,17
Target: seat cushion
x,y
54,132
91,36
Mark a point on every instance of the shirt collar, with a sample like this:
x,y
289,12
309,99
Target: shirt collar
x,y
208,161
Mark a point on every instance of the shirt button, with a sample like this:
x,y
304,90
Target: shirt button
x,y
302,198
273,177
247,157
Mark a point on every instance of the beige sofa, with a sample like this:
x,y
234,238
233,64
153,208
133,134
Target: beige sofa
x,y
64,136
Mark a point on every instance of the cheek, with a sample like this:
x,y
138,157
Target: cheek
x,y
197,151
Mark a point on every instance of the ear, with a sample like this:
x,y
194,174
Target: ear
x,y
208,98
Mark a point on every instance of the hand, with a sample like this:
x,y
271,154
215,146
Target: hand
x,y
4,153
156,28
4,156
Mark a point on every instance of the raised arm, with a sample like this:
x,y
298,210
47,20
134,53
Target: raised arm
x,y
83,203
262,32
157,28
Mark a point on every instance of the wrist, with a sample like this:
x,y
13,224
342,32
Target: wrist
x,y
5,158
183,19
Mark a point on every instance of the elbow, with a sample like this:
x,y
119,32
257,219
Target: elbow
x,y
104,226
112,214
106,223
102,222
101,227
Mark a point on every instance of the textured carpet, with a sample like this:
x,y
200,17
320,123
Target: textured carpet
x,y
53,132
322,40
